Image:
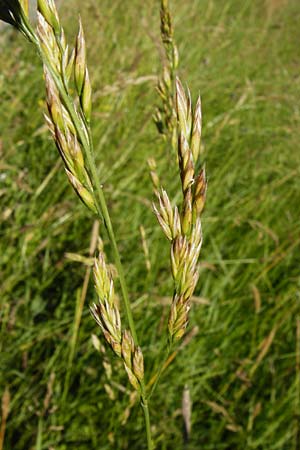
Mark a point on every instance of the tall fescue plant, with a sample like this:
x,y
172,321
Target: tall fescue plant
x,y
69,107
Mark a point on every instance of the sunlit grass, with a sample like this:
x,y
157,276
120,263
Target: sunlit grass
x,y
241,367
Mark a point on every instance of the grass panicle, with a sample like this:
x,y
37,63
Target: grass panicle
x,y
236,374
68,119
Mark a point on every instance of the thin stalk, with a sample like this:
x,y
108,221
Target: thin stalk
x,y
297,396
26,28
145,407
39,438
161,369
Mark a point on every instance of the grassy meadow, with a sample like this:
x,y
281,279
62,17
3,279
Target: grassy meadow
x,y
241,360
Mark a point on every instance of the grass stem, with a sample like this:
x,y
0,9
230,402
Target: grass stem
x,y
145,407
162,367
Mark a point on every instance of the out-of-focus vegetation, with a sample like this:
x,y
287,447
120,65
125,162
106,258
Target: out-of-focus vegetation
x,y
242,367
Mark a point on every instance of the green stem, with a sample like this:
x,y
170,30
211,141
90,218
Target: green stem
x,y
161,369
145,407
26,28
39,438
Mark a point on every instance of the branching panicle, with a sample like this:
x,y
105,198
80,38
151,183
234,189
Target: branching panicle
x,y
68,118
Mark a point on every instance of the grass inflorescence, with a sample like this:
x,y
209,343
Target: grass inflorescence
x,y
242,363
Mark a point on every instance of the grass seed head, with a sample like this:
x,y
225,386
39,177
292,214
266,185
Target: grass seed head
x,y
166,27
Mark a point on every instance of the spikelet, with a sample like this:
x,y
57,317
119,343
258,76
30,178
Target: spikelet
x,y
196,131
80,60
167,217
184,111
81,75
48,10
106,312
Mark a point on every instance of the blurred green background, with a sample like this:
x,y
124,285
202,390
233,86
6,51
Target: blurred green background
x,y
242,362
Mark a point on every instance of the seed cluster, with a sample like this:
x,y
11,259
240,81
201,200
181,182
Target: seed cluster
x,y
107,315
183,228
59,67
165,114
